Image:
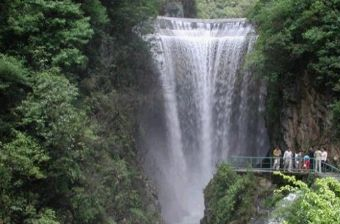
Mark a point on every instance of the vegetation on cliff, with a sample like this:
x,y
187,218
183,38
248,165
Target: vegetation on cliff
x,y
318,203
213,9
232,198
303,38
69,74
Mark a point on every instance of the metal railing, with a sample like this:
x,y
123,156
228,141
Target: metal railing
x,y
266,165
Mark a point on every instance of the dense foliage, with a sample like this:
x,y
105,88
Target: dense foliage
x,y
212,9
229,197
303,38
70,76
298,46
319,203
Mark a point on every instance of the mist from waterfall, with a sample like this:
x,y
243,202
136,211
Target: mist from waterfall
x,y
212,108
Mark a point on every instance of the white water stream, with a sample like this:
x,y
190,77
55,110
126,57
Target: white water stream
x,y
212,109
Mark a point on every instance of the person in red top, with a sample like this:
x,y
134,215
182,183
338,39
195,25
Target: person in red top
x,y
306,162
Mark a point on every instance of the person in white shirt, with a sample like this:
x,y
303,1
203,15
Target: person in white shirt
x,y
298,160
317,156
288,160
324,155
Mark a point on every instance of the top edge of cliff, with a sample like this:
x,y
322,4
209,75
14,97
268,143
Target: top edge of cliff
x,y
203,20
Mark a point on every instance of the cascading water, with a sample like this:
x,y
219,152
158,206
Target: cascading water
x,y
212,109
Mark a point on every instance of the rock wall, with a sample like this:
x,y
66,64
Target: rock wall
x,y
306,119
179,8
173,9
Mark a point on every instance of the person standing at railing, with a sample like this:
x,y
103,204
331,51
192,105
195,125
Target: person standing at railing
x,y
288,160
298,160
311,156
318,158
324,155
277,157
306,162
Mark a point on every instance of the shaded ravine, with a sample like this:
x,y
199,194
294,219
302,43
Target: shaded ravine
x,y
211,109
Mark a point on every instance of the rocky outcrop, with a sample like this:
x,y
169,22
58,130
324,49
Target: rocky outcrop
x,y
179,8
237,199
189,7
174,9
306,119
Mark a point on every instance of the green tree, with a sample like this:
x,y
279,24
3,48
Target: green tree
x,y
22,163
319,203
92,174
228,197
298,41
46,32
13,86
62,129
212,9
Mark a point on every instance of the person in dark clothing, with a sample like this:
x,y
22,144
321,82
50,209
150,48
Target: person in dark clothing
x,y
311,156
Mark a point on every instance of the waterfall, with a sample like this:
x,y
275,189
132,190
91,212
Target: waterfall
x,y
212,108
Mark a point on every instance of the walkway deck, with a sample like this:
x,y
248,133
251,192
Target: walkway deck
x,y
244,164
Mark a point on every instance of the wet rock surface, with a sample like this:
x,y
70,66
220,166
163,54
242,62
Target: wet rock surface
x,y
306,120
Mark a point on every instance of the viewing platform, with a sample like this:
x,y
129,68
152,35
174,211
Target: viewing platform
x,y
263,165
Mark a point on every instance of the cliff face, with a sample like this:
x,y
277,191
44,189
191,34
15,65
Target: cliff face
x,y
306,119
179,8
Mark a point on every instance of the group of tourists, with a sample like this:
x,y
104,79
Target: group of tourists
x,y
313,159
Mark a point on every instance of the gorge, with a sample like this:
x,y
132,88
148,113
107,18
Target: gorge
x,y
102,122
212,108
